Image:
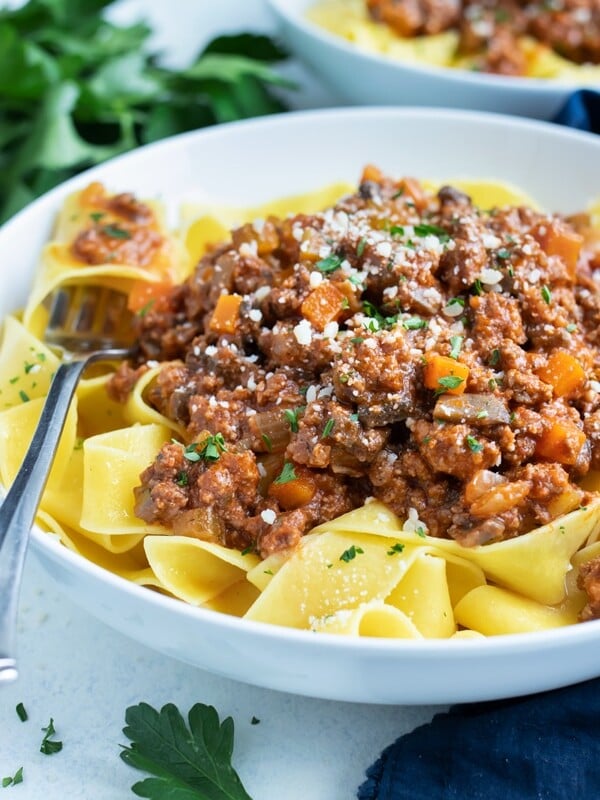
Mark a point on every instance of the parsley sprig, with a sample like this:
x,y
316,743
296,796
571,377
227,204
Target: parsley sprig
x,y
188,761
76,89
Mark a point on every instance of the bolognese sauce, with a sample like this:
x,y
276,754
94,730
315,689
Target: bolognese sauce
x,y
403,345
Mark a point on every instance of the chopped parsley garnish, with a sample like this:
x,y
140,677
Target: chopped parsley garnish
x,y
13,780
287,474
456,301
449,382
329,264
186,759
483,414
355,281
22,712
360,249
27,367
357,339
503,253
432,230
414,323
495,357
474,445
328,428
247,550
351,553
115,232
397,547
24,396
267,440
97,215
477,287
291,415
182,479
456,343
146,307
571,327
421,532
382,322
354,417
50,746
209,450
397,230
546,294
398,194
255,721
345,303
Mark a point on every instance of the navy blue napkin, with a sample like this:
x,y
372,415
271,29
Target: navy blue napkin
x,y
541,747
581,111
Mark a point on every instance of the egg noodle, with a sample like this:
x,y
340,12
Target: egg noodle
x,y
366,573
350,20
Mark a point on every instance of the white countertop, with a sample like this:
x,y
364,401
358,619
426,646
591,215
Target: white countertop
x,y
84,675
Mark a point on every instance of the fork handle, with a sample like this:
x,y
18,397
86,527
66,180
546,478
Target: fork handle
x,y
17,512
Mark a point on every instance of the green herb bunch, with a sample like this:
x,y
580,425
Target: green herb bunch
x,y
76,89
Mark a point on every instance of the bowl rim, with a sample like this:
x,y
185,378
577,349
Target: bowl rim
x,y
50,548
451,75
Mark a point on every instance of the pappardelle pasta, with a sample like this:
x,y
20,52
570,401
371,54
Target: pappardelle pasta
x,y
371,412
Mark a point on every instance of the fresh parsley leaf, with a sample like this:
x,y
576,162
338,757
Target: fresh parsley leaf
x,y
397,547
455,346
287,474
13,780
22,712
188,761
432,230
475,446
329,425
291,415
360,249
546,294
209,450
76,89
414,323
351,553
115,232
50,746
449,382
329,264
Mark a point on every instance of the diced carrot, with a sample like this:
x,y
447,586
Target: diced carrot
x,y
371,173
562,442
294,493
444,374
562,242
93,195
563,372
324,304
226,313
415,191
144,295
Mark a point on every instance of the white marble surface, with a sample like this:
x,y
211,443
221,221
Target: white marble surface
x,y
84,675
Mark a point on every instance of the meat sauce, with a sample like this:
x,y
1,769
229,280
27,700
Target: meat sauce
x,y
402,345
490,30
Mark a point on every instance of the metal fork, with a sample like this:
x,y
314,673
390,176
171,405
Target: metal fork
x,y
85,324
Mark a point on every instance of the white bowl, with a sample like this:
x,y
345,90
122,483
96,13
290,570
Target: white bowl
x,y
251,162
364,78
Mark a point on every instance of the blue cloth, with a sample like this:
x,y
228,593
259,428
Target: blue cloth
x,y
541,747
581,111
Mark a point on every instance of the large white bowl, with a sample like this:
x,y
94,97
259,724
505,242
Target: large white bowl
x,y
367,79
254,161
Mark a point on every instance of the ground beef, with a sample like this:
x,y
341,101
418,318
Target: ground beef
x,y
401,345
589,581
